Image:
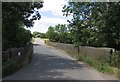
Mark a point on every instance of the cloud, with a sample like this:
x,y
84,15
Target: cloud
x,y
43,24
51,20
55,6
51,15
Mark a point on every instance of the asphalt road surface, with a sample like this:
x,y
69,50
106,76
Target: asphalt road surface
x,y
51,64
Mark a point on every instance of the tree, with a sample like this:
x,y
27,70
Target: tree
x,y
111,30
23,36
43,35
59,33
79,21
62,32
15,15
51,33
95,21
35,34
39,35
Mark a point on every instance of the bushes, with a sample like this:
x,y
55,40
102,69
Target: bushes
x,y
23,36
115,59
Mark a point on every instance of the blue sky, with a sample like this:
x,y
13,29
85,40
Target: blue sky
x,y
51,15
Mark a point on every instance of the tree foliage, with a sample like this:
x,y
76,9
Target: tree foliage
x,y
59,33
16,15
94,24
39,35
23,36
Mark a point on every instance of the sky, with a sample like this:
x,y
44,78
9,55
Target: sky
x,y
51,15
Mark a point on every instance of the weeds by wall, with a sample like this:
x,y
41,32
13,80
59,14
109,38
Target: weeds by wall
x,y
100,58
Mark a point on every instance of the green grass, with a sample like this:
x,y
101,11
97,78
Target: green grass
x,y
99,65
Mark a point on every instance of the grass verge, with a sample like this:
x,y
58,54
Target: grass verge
x,y
99,64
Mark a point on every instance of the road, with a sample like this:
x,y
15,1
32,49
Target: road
x,y
51,64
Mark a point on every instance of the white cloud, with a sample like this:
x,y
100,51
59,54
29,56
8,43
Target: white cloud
x,y
55,6
43,24
56,16
50,20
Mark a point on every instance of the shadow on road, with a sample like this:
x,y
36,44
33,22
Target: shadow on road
x,y
36,45
46,66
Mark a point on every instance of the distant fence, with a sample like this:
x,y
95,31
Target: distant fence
x,y
88,51
14,59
